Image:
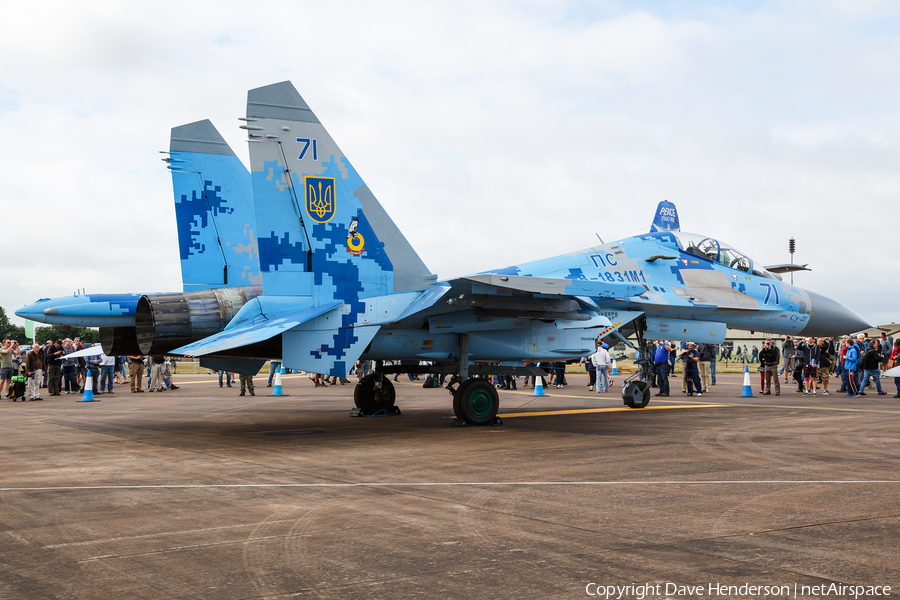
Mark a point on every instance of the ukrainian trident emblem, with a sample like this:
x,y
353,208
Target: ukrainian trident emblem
x,y
320,198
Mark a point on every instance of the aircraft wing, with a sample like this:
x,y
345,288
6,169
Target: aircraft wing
x,y
253,331
503,298
555,287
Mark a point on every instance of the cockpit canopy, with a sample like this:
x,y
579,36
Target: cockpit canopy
x,y
714,250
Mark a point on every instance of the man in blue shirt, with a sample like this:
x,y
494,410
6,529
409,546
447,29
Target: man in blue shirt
x,y
691,370
661,362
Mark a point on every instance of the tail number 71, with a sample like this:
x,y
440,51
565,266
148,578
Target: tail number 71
x,y
306,141
770,288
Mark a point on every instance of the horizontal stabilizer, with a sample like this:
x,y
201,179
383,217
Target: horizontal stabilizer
x,y
252,333
558,287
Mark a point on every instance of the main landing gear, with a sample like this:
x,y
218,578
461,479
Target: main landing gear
x,y
476,402
374,396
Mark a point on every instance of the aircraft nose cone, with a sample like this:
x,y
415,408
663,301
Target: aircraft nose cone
x,y
832,318
32,312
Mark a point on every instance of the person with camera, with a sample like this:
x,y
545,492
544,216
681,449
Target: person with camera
x,y
17,357
55,354
691,360
6,367
769,358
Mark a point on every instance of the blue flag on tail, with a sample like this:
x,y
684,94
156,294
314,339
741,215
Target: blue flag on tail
x,y
666,218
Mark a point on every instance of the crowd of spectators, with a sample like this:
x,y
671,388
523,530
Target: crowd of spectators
x,y
50,366
857,361
811,362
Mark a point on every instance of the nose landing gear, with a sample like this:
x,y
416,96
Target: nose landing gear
x,y
636,393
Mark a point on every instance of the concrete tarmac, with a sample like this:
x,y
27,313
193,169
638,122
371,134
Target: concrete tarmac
x,y
202,493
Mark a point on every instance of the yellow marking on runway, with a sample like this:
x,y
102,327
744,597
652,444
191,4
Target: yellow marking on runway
x,y
832,408
600,410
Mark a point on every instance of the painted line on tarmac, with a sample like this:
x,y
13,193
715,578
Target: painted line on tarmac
x,y
601,410
446,484
798,407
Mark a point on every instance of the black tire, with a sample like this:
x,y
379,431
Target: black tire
x,y
365,398
636,394
459,389
476,402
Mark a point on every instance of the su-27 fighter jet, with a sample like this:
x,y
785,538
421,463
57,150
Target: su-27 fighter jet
x,y
340,282
219,256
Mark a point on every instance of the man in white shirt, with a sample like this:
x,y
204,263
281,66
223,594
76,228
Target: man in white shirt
x,y
601,360
107,370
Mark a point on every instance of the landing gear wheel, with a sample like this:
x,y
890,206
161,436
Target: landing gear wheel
x,y
368,399
459,389
476,402
636,394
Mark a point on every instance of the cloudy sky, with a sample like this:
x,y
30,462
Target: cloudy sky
x,y
493,132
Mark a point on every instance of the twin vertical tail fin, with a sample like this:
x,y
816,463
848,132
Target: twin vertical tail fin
x,y
333,263
213,210
321,232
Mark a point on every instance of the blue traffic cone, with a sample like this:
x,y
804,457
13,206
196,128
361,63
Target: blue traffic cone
x,y
276,388
614,370
748,387
88,389
539,386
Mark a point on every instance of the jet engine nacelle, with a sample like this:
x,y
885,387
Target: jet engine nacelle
x,y
163,322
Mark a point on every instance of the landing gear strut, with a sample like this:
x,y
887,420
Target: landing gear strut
x,y
475,401
636,393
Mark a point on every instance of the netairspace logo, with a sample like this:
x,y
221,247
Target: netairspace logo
x,y
746,590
